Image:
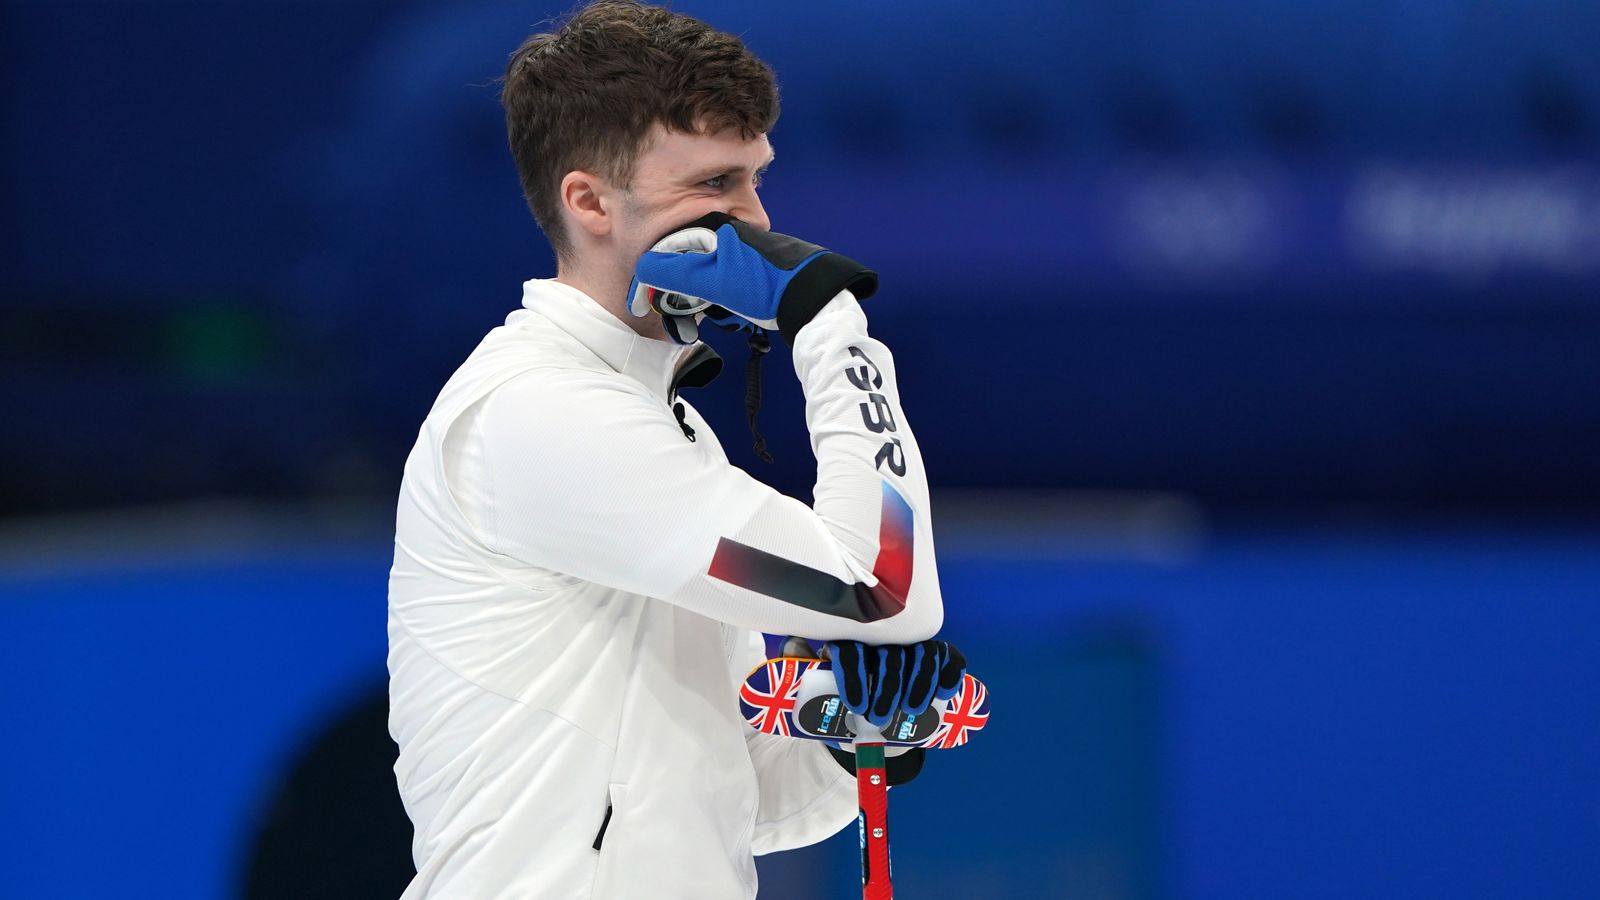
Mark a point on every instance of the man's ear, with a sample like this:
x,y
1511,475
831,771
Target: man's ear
x,y
586,197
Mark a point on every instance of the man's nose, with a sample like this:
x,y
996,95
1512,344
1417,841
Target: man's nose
x,y
747,207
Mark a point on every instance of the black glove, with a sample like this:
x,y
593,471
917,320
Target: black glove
x,y
878,681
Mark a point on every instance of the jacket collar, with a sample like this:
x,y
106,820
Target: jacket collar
x,y
661,366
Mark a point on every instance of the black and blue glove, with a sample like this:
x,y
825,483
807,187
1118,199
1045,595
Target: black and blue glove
x,y
739,277
877,681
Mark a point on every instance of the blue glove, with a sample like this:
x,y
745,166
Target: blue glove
x,y
877,681
740,276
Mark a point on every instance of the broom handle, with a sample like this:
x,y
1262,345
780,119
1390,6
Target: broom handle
x,y
872,789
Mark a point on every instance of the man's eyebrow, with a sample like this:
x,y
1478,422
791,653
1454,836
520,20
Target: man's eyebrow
x,y
702,174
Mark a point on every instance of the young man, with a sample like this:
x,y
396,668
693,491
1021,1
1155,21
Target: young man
x,y
580,577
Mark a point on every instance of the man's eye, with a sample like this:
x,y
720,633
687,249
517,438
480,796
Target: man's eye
x,y
716,181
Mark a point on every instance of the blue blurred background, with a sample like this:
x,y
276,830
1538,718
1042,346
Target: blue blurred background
x,y
1254,350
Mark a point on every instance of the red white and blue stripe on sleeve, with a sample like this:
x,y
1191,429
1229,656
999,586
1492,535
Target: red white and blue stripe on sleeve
x,y
799,584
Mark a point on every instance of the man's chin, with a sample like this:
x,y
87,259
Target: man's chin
x,y
650,326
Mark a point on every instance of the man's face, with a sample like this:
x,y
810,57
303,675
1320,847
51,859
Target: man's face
x,y
680,177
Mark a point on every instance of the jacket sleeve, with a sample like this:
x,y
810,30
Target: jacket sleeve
x,y
804,794
592,477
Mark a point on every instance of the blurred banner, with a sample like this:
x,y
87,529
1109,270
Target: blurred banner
x,y
1180,710
1262,255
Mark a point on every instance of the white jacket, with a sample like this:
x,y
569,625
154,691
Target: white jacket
x,y
578,589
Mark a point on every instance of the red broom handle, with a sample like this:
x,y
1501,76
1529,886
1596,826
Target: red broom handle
x,y
872,789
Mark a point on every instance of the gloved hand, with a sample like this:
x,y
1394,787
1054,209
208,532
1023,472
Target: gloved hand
x,y
875,681
739,275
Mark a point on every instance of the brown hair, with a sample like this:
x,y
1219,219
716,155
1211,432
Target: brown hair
x,y
585,95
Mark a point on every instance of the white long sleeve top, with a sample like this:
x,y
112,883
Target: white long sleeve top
x,y
579,588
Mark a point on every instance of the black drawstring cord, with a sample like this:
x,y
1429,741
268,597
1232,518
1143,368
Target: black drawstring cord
x,y
759,345
677,409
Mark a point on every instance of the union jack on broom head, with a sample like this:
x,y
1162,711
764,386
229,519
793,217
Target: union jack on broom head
x,y
968,712
783,694
769,695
